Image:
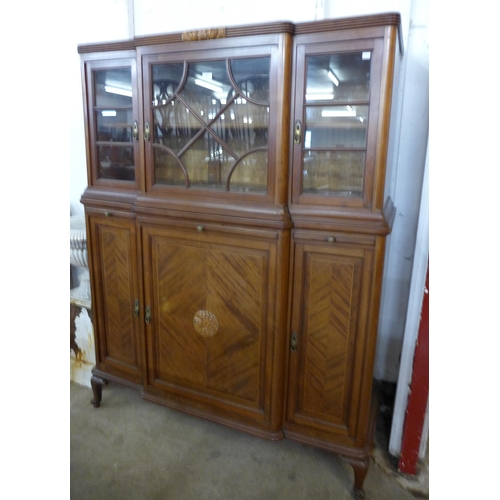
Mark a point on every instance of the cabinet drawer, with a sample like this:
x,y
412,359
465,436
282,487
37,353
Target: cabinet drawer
x,y
322,237
110,213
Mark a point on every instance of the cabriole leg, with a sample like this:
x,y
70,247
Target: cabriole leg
x,y
360,467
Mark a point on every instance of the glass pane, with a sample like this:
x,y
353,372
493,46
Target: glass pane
x,y
116,162
252,77
178,125
338,77
165,80
113,87
250,175
246,126
337,173
207,88
174,125
168,170
336,126
207,163
113,119
210,124
114,125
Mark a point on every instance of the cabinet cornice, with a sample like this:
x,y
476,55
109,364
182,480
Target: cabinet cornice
x,y
387,19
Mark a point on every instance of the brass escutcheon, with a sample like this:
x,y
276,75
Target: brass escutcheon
x,y
205,323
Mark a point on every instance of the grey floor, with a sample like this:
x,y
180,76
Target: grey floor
x,y
133,449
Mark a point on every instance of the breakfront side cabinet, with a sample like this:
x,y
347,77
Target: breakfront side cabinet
x,y
237,208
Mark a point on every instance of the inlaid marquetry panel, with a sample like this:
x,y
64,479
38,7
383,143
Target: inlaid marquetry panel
x,y
327,324
330,291
114,286
226,287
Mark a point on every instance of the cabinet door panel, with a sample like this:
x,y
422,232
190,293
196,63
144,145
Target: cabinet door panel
x,y
113,247
112,120
337,94
214,118
212,326
329,316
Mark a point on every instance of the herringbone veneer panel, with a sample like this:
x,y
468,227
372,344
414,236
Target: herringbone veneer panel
x,y
230,284
116,288
331,297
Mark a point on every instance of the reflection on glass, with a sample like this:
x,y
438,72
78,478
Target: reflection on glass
x,y
336,126
336,115
113,87
215,160
174,125
250,174
116,162
166,79
168,170
337,173
114,125
338,77
210,123
113,121
247,125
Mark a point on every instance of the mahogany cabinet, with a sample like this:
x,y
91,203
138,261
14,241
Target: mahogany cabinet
x,y
237,209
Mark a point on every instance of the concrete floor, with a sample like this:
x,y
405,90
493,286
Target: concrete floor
x,y
132,449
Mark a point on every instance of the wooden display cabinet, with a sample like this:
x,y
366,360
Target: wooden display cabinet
x,y
237,209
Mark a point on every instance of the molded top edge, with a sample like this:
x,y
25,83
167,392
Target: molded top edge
x,y
391,18
341,23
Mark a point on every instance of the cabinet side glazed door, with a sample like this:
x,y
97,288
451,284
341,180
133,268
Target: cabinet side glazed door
x,y
111,115
212,296
337,91
329,324
115,301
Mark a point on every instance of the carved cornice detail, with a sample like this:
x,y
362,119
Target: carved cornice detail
x,y
208,34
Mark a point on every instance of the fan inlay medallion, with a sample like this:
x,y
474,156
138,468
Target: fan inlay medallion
x,y
205,323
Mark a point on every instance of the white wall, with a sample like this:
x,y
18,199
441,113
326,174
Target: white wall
x,y
408,154
106,20
95,21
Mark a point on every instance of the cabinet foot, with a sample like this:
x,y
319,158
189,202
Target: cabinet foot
x,y
97,384
359,494
360,467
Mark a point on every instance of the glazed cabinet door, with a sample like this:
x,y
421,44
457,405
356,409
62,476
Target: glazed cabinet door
x,y
115,289
212,118
330,326
337,120
112,120
215,307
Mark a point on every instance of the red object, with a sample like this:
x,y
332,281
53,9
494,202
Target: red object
x,y
419,392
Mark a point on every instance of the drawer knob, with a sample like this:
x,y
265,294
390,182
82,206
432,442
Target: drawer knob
x,y
107,214
201,228
331,239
